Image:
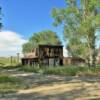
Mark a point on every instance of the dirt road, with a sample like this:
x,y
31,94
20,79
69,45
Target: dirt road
x,y
52,87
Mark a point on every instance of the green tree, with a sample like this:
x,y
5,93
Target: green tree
x,y
27,47
44,37
80,23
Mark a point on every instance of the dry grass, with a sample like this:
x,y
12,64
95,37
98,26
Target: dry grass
x,y
52,87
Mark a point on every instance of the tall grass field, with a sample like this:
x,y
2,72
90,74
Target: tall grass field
x,y
8,61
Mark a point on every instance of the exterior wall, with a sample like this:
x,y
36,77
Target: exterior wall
x,y
73,61
31,54
45,55
29,61
50,55
98,58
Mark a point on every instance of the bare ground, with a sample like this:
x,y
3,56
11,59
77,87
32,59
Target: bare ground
x,y
52,87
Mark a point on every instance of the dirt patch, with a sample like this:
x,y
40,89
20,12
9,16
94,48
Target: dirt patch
x,y
52,87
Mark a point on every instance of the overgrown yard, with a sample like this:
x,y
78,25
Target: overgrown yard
x,y
64,70
21,85
9,83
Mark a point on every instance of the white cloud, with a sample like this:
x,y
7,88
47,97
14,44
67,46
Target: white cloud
x,y
10,43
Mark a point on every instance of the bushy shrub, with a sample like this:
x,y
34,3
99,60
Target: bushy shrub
x,y
9,84
63,70
30,69
9,79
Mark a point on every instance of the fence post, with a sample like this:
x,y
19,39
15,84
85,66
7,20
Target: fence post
x,y
18,58
11,60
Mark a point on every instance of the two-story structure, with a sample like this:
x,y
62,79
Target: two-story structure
x,y
48,55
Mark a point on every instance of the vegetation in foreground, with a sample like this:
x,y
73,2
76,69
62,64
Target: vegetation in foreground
x,y
9,84
8,61
69,70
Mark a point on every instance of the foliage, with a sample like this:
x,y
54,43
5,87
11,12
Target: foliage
x,y
5,62
30,69
9,79
27,47
9,84
81,19
44,37
63,70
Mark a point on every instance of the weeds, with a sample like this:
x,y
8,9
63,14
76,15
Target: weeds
x,y
9,84
65,70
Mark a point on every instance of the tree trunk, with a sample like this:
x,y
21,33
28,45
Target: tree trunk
x,y
92,58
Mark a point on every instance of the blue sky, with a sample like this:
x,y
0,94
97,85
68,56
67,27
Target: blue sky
x,y
22,18
28,16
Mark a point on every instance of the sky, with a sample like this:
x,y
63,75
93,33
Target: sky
x,y
22,18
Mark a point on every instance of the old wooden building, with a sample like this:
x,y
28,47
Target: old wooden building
x,y
73,61
45,55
